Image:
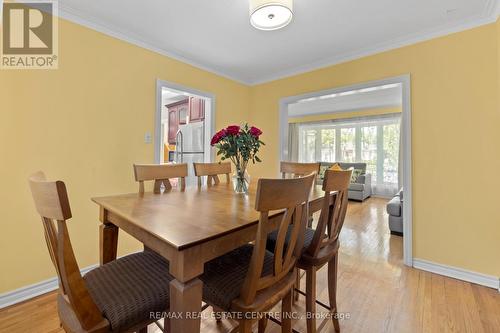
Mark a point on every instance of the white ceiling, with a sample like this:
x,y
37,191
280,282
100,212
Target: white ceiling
x,y
172,96
377,97
216,34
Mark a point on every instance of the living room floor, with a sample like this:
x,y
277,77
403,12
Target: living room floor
x,y
375,289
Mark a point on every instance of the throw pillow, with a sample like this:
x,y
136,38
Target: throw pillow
x,y
336,167
355,175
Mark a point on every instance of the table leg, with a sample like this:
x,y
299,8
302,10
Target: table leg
x,y
185,301
108,240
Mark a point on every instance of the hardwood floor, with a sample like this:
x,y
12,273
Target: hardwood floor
x,y
376,291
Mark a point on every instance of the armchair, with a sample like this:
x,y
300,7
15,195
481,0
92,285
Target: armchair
x,y
358,190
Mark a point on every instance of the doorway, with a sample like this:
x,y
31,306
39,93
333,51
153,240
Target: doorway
x,y
184,125
356,136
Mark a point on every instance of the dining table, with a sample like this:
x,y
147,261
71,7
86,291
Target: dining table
x,y
188,228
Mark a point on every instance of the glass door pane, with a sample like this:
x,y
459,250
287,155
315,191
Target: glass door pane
x,y
328,145
308,148
348,144
369,149
391,153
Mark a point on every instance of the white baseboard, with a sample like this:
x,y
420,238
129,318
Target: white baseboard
x,y
458,273
25,293
37,289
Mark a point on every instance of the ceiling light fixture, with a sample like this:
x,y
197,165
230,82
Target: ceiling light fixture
x,y
271,14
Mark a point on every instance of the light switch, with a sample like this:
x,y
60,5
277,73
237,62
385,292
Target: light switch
x,y
147,137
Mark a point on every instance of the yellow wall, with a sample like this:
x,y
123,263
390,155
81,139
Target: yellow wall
x,y
498,58
455,133
344,115
84,123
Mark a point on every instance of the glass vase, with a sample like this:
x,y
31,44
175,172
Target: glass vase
x,y
241,181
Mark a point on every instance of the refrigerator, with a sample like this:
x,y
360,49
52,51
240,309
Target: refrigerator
x,y
189,147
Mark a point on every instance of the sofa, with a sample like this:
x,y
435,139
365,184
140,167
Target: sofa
x,y
395,211
361,188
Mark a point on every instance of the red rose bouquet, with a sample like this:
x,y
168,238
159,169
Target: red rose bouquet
x,y
240,145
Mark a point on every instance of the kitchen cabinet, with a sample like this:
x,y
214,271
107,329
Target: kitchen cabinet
x,y
191,110
182,113
173,124
196,109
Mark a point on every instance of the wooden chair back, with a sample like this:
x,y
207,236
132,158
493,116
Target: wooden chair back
x,y
332,216
161,174
52,204
293,169
290,195
212,171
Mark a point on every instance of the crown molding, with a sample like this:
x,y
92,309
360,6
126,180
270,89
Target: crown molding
x,y
70,14
489,15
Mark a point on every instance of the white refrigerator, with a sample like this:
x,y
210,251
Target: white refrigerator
x,y
189,147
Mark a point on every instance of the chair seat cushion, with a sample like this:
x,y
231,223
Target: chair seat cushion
x,y
224,276
271,239
128,289
356,187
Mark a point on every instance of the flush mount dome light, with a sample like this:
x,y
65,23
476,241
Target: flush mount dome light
x,y
270,14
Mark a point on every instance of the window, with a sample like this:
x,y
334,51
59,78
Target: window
x,y
372,140
328,144
369,149
348,144
308,151
391,153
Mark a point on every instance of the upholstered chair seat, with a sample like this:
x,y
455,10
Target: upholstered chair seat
x,y
308,237
129,289
224,276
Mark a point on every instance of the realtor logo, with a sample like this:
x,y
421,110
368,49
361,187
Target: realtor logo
x,y
29,35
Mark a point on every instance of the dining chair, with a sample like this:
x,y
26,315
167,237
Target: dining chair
x,y
161,174
321,245
212,171
251,279
293,169
116,297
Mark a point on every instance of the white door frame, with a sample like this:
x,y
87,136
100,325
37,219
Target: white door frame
x,y
405,81
209,116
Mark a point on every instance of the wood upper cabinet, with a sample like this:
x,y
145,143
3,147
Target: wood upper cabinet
x,y
196,109
182,113
173,124
192,108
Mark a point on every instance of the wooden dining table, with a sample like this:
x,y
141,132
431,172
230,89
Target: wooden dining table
x,y
188,228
